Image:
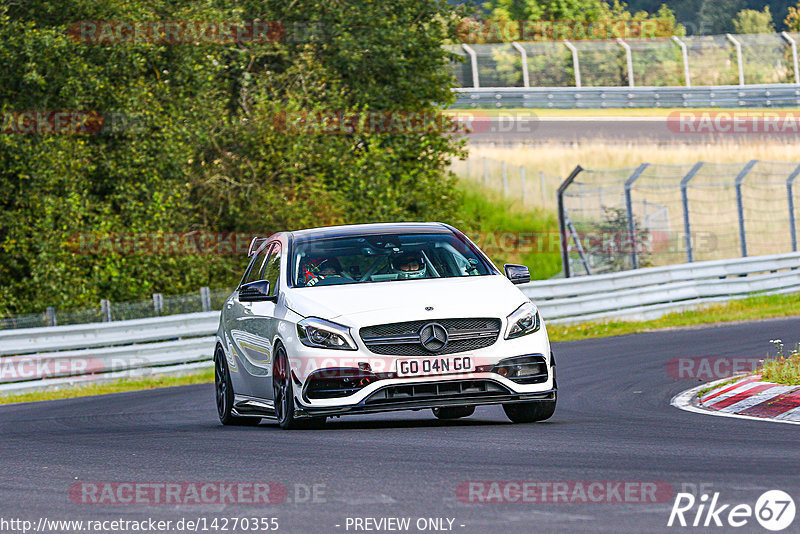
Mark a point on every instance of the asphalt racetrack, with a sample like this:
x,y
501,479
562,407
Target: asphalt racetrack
x,y
512,130
614,423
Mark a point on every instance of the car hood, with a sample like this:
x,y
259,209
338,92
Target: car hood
x,y
407,300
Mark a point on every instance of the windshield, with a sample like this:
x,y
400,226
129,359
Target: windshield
x,y
383,258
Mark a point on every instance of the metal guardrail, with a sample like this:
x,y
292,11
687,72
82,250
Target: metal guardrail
x,y
45,358
723,96
649,293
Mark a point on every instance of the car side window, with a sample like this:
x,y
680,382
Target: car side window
x,y
272,269
256,267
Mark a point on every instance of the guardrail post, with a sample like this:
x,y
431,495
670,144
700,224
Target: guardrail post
x,y
740,204
790,192
685,54
50,314
205,298
476,83
522,184
562,220
629,206
687,227
158,303
628,59
795,65
576,63
738,46
105,310
526,80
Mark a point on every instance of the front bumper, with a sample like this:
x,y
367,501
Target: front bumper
x,y
430,394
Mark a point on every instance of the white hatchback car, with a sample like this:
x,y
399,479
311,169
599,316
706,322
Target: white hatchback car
x,y
379,317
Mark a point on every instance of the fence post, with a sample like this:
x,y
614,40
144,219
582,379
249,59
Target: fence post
x,y
474,61
575,63
158,303
629,206
562,220
687,227
205,298
526,80
105,310
543,187
738,46
505,179
790,192
793,44
50,313
522,182
685,54
740,204
629,60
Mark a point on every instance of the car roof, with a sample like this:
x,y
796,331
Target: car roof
x,y
371,229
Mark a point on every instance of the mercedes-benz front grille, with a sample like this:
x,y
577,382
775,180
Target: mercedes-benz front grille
x,y
406,339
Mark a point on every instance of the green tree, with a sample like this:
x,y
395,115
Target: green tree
x,y
716,16
752,21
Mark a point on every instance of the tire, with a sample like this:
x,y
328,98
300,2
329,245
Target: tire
x,y
283,395
223,390
453,412
530,412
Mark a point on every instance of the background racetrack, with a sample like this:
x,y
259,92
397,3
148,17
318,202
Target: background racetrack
x,y
613,423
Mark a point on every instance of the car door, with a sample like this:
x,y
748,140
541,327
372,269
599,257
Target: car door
x,y
252,328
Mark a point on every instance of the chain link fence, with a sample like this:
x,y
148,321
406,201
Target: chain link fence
x,y
648,62
652,215
204,300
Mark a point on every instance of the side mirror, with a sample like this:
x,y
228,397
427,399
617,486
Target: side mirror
x,y
255,291
518,274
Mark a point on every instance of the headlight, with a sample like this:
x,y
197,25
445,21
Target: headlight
x,y
314,332
524,321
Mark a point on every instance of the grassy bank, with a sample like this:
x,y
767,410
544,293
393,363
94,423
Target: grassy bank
x,y
560,159
754,308
785,368
119,386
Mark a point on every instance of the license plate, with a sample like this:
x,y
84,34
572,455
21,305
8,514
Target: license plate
x,y
435,366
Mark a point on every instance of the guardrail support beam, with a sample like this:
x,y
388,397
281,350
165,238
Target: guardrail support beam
x,y
576,62
740,204
628,59
687,227
792,220
685,54
526,80
562,220
205,298
739,59
473,57
793,43
105,310
629,207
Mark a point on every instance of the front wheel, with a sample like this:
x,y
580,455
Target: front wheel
x,y
223,390
530,412
283,395
453,412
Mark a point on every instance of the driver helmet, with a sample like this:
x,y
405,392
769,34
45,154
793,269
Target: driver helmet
x,y
409,265
316,268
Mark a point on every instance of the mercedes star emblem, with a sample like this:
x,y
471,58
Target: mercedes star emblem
x,y
433,337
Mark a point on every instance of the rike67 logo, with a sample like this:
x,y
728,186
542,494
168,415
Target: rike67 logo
x,y
774,510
